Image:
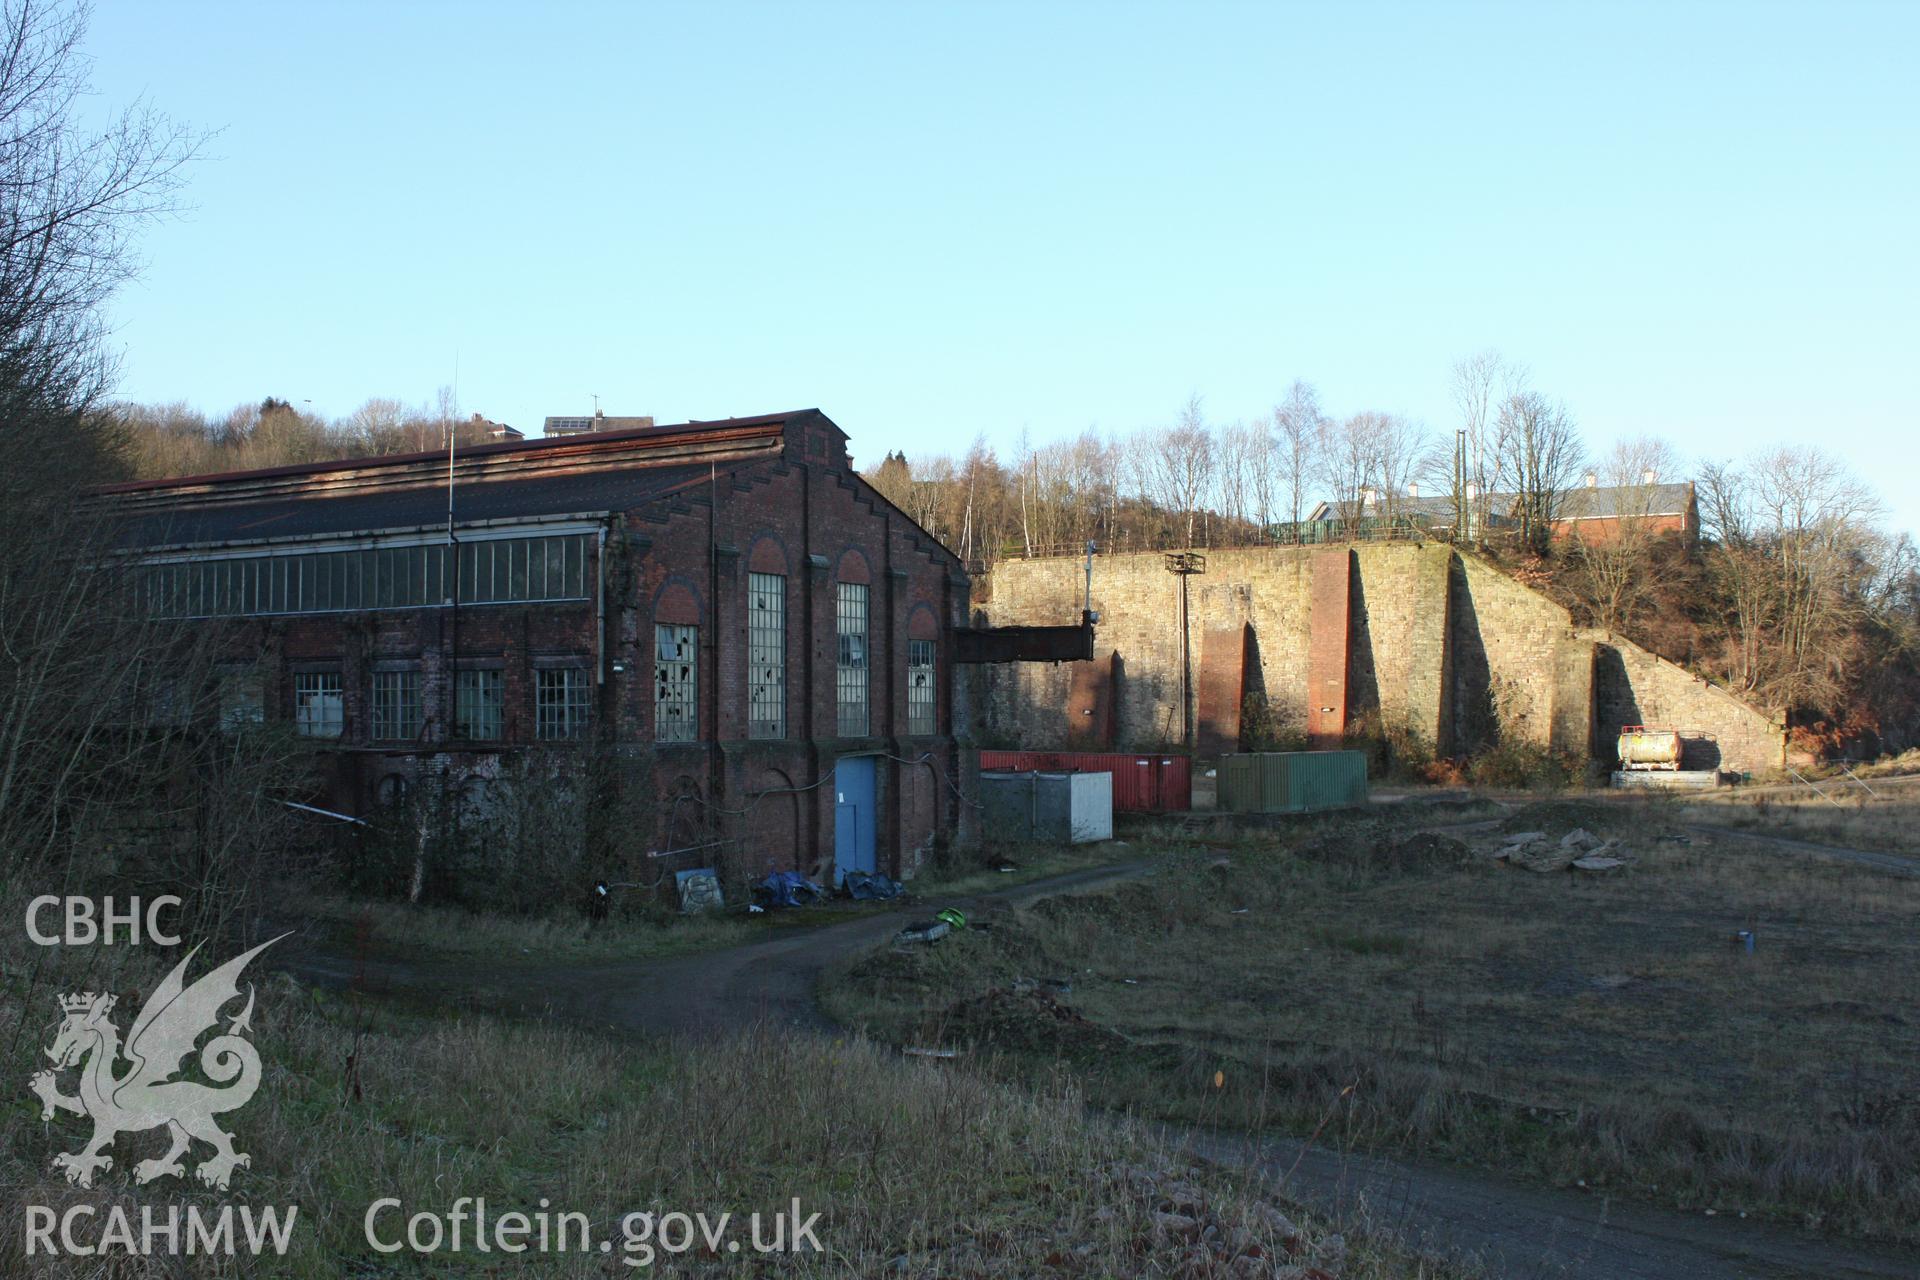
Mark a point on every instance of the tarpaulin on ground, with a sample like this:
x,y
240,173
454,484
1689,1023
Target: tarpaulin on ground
x,y
790,889
867,886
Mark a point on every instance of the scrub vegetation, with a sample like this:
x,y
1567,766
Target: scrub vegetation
x,y
917,1168
1409,993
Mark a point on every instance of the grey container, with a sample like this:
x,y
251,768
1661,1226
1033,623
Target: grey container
x,y
1047,808
1292,781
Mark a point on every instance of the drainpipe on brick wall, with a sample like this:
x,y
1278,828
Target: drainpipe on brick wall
x,y
1186,672
714,778
450,707
600,608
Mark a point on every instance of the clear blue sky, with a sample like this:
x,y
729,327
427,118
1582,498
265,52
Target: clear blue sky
x,y
1693,220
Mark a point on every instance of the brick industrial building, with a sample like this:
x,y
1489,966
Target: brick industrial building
x,y
762,640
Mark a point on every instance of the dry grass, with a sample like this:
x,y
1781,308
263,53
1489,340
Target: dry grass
x,y
980,871
1906,764
1876,813
381,928
920,1169
1571,1029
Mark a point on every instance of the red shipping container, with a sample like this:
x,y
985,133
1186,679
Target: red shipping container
x,y
1141,783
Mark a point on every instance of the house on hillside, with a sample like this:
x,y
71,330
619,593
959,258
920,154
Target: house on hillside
x,y
760,641
598,421
482,427
1599,513
1592,511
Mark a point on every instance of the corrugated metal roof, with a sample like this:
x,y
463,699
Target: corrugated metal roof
x,y
558,447
587,475
568,493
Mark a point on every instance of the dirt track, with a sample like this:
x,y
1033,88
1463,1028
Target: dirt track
x,y
1519,1230
1865,857
770,980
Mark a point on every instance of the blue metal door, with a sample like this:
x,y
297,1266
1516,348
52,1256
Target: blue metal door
x,y
853,816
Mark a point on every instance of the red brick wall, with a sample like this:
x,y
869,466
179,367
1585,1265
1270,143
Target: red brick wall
x,y
1605,529
1330,595
1090,704
1221,688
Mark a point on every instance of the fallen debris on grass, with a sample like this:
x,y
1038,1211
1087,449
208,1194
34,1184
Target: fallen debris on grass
x,y
790,889
1578,850
868,886
921,932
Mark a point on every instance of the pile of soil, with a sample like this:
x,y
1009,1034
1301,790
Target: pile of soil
x,y
1426,851
1027,1021
922,971
1112,906
1380,851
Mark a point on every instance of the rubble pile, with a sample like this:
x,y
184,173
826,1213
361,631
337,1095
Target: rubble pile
x,y
1578,850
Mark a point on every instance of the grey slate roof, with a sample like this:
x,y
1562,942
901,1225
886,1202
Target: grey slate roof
x,y
1607,501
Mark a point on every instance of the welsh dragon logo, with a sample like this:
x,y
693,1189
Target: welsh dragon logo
x,y
133,1089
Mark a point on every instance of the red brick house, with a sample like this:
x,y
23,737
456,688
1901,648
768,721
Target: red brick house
x,y
1598,513
1595,512
762,641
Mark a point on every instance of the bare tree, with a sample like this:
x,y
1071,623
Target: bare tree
x,y
376,426
1087,469
71,198
982,491
1794,553
1368,461
1300,436
101,700
1347,463
1544,458
1176,465
1617,546
1818,518
1478,469
1024,463
929,498
166,440
1399,447
1264,474
1737,564
894,479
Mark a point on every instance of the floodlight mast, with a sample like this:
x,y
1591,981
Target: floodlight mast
x,y
1086,607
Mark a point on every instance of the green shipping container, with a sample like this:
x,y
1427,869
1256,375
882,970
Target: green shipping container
x,y
1292,781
